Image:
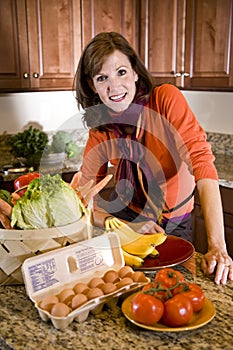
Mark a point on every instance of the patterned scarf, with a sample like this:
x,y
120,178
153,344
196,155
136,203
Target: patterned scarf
x,y
134,179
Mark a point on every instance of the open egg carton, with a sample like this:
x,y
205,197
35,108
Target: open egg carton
x,y
67,284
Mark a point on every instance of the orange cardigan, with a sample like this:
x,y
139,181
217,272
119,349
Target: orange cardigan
x,y
175,147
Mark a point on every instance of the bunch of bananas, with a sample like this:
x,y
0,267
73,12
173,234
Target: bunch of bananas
x,y
135,246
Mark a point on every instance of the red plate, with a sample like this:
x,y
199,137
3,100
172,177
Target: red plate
x,y
173,251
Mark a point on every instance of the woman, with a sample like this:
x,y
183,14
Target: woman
x,y
156,146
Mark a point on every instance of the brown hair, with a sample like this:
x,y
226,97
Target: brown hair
x,y
90,64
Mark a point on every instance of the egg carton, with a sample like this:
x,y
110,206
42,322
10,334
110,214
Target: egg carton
x,y
52,272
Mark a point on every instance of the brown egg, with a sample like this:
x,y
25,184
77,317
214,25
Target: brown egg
x,y
48,302
124,282
60,310
108,287
66,295
78,300
81,288
125,271
139,276
94,293
96,282
111,276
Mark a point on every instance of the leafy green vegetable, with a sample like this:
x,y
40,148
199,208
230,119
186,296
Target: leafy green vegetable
x,y
6,196
71,150
49,201
30,142
62,142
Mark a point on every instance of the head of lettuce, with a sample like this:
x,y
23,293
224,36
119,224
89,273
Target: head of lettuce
x,y
49,201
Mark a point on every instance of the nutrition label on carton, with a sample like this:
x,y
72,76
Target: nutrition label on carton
x,y
42,274
88,258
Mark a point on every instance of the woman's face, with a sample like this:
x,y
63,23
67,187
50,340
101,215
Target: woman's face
x,y
115,83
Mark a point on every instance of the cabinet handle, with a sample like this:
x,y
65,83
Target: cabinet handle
x,y
35,75
25,75
178,74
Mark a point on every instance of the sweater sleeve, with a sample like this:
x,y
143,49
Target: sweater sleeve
x,y
190,137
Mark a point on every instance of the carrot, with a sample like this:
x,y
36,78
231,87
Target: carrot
x,y
86,192
5,221
97,188
15,197
76,180
5,208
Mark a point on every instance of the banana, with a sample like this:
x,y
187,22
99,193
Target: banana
x,y
154,253
128,235
154,239
132,260
140,239
149,251
107,225
132,242
137,248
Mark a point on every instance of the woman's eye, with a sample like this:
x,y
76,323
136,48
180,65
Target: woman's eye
x,y
122,72
100,78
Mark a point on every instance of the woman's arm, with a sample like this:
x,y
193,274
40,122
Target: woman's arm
x,y
216,259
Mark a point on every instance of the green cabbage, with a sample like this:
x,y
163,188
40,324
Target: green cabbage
x,y
6,196
49,201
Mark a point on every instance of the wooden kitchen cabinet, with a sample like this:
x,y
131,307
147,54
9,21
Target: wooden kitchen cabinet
x,y
107,15
188,43
198,225
40,44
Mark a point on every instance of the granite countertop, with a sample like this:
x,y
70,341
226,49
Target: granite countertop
x,y
223,163
22,328
224,166
221,144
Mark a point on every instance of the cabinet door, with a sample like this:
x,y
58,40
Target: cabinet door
x,y
162,39
209,44
108,15
40,44
14,64
198,224
188,43
54,42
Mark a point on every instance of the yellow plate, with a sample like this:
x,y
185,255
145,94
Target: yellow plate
x,y
199,319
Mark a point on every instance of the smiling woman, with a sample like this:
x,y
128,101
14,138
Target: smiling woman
x,y
158,149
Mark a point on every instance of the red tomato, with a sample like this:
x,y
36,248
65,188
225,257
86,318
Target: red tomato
x,y
146,309
159,291
147,286
168,277
24,180
194,293
177,311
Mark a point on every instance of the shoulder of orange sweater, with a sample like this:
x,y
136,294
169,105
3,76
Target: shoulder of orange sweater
x,y
167,92
167,88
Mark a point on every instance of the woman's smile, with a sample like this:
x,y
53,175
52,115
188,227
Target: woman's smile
x,y
118,98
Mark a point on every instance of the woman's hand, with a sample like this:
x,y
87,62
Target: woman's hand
x,y
220,263
146,227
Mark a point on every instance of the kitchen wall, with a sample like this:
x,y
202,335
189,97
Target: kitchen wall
x,y
58,110
46,110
